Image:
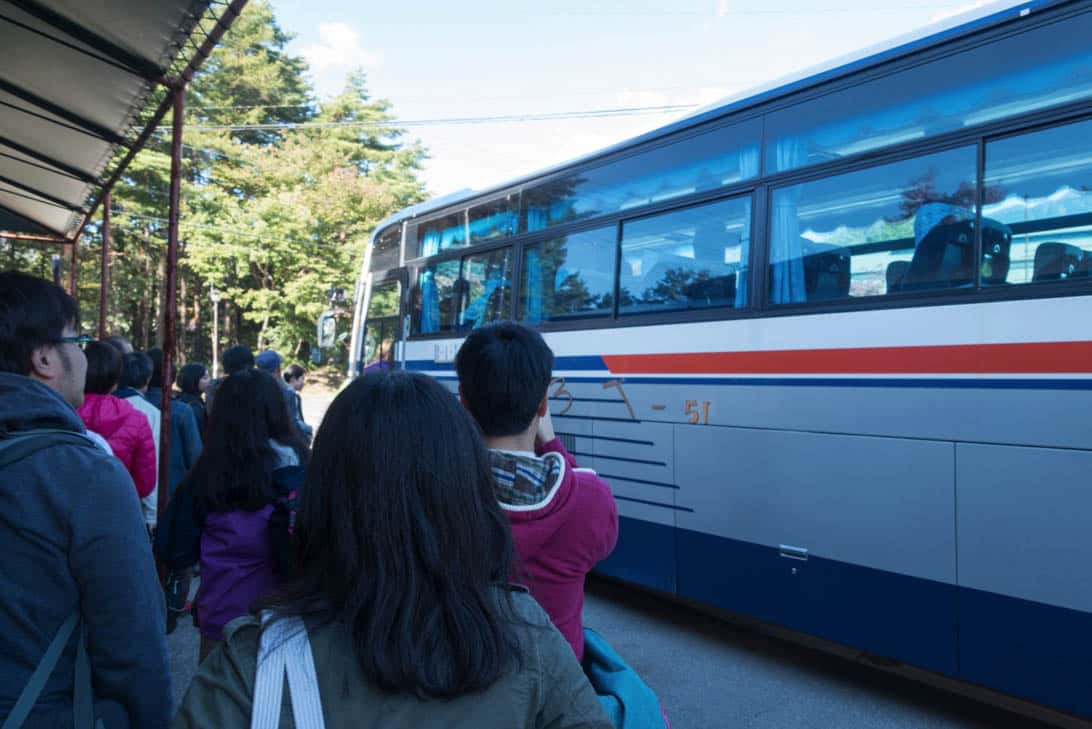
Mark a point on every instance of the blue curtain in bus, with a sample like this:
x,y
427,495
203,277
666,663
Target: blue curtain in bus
x,y
430,305
430,243
478,310
786,246
536,219
532,288
748,168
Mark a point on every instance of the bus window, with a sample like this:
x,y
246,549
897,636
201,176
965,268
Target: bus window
x,y
436,298
387,250
686,259
441,234
488,279
496,219
707,161
571,277
384,300
905,226
1040,185
1016,75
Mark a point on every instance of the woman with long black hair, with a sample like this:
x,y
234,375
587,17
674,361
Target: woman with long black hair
x,y
401,604
252,462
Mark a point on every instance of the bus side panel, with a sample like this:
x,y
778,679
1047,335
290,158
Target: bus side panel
x,y
1025,516
637,460
876,516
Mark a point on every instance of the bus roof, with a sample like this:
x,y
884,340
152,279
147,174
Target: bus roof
x,y
973,21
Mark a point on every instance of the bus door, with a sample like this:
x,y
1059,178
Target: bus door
x,y
384,325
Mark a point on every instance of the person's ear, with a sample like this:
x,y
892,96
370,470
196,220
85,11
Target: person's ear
x,y
544,406
462,399
45,363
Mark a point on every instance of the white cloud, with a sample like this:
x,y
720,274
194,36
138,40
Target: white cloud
x,y
339,48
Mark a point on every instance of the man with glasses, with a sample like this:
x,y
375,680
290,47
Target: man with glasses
x,y
79,574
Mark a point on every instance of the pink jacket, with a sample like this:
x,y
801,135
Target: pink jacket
x,y
127,431
564,520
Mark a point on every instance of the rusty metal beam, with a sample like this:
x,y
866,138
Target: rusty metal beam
x,y
170,308
55,240
104,271
73,269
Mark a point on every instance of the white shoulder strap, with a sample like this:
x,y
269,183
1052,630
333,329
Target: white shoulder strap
x,y
285,648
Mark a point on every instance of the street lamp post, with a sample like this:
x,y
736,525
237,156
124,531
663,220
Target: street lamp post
x,y
215,296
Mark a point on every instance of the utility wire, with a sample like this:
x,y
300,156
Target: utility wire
x,y
400,123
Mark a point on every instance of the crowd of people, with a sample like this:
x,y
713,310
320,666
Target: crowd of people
x,y
422,564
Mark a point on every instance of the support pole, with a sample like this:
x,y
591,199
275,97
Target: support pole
x,y
104,273
170,309
73,265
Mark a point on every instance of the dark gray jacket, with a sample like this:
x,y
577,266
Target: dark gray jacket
x,y
74,537
547,691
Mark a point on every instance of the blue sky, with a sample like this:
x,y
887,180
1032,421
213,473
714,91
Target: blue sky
x,y
435,60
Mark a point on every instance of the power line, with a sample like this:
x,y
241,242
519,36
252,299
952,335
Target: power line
x,y
453,121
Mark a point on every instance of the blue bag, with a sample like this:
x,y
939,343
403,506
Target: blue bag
x,y
627,700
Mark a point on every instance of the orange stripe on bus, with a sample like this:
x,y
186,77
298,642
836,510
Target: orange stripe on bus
x,y
1020,358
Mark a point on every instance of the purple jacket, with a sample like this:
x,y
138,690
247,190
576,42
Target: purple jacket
x,y
237,561
236,567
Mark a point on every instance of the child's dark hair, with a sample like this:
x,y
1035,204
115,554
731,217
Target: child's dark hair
x,y
504,371
104,368
294,372
189,376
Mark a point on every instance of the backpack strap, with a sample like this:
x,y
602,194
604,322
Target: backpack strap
x,y
285,648
17,446
41,674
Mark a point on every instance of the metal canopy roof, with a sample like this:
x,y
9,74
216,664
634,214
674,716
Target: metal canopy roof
x,y
79,85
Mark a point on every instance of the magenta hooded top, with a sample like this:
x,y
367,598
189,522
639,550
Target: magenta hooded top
x,y
127,431
564,520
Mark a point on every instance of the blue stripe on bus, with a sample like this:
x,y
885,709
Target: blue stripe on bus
x,y
1029,649
582,362
940,383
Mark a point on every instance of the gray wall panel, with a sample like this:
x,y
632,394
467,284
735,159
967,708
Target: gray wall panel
x,y
1025,520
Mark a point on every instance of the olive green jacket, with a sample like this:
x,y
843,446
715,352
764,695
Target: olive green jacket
x,y
549,691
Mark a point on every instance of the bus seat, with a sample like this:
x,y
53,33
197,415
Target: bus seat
x,y
896,271
718,291
943,259
826,272
1060,261
996,242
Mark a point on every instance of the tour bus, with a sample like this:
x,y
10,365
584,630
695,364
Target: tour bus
x,y
830,343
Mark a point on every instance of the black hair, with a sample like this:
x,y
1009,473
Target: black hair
x,y
157,367
235,469
136,370
33,314
237,358
104,368
402,542
504,371
189,376
293,372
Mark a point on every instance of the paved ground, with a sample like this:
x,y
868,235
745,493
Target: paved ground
x,y
710,675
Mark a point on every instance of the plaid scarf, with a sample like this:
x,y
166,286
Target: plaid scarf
x,y
524,480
